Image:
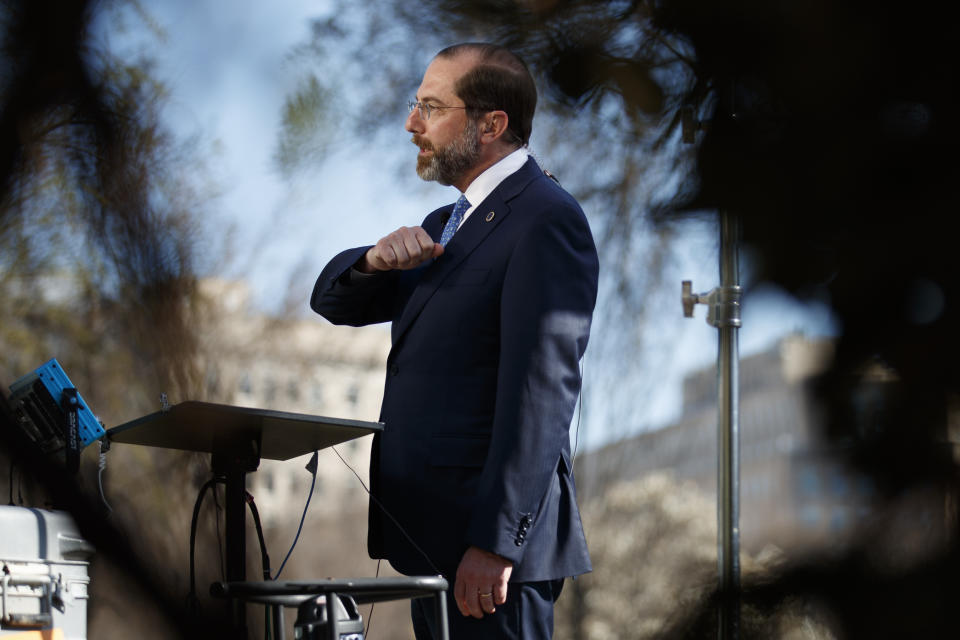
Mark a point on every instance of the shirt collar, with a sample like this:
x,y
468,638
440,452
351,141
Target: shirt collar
x,y
484,184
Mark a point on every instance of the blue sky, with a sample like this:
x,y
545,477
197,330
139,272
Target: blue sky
x,y
228,69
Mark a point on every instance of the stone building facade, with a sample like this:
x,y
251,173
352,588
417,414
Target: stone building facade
x,y
298,364
794,490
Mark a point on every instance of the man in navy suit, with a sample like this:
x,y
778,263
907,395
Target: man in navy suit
x,y
472,474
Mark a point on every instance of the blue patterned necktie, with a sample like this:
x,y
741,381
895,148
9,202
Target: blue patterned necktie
x,y
455,218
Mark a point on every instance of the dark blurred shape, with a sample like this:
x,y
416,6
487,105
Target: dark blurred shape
x,y
42,48
71,116
79,128
580,71
851,596
831,137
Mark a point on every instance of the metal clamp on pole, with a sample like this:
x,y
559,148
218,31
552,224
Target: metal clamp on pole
x,y
723,304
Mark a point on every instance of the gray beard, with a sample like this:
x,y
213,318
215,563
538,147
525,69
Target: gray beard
x,y
449,163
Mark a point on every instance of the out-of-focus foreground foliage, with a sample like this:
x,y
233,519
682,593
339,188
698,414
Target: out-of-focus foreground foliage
x,y
98,211
832,138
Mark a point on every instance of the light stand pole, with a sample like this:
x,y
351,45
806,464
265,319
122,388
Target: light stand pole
x,y
723,305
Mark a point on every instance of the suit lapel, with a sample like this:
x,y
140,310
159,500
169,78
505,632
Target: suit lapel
x,y
488,215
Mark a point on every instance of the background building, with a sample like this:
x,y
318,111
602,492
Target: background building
x,y
794,490
300,365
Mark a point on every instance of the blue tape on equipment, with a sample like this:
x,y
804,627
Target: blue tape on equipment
x,y
52,378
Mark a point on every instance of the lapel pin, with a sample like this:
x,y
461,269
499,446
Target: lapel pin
x,y
490,216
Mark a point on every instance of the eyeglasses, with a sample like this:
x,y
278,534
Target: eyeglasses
x,y
425,109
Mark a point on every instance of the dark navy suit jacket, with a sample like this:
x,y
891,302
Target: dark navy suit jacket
x,y
482,381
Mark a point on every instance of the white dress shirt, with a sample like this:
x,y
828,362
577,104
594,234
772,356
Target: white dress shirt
x,y
478,190
484,184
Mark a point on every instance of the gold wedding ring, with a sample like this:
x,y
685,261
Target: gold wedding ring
x,y
486,595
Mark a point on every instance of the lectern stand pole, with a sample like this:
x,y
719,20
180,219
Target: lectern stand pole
x,y
233,469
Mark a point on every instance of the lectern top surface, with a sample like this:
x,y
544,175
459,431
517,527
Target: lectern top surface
x,y
218,428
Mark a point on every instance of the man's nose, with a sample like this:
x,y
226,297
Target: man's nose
x,y
414,123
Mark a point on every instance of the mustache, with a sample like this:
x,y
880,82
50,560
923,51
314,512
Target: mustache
x,y
420,142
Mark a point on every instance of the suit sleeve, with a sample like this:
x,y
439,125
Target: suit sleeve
x,y
370,299
547,302
354,302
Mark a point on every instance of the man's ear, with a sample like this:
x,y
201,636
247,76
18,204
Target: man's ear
x,y
494,126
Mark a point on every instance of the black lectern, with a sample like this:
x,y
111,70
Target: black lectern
x,y
237,438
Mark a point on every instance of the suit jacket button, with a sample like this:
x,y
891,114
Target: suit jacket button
x,y
394,369
518,542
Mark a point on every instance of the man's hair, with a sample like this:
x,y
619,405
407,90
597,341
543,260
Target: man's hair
x,y
499,81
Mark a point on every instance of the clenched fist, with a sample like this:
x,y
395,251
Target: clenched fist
x,y
405,248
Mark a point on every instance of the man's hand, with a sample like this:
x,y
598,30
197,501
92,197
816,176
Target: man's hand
x,y
481,582
405,248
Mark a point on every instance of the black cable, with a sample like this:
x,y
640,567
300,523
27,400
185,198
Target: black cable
x,y
192,602
264,557
101,466
389,515
312,468
366,633
220,550
11,482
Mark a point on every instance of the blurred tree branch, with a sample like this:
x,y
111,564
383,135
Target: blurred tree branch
x,y
98,233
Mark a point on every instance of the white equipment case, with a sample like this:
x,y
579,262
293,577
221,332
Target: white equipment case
x,y
44,579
